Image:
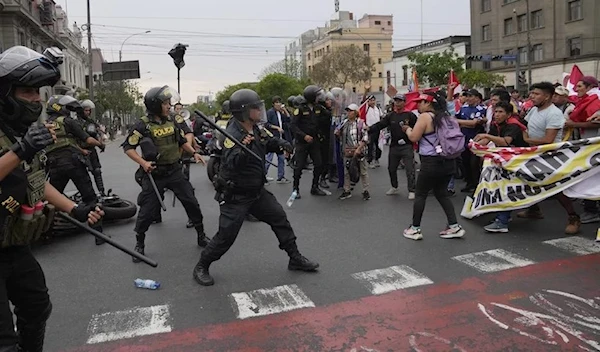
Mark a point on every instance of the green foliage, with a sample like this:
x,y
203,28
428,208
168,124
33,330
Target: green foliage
x,y
480,79
226,93
280,85
435,68
122,98
345,64
289,67
208,109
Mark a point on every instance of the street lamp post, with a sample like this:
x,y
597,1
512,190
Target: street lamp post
x,y
121,50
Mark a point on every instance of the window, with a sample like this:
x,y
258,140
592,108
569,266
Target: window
x,y
575,10
378,46
327,48
485,33
353,89
537,19
508,52
367,47
521,23
538,52
508,26
388,74
389,23
486,5
309,56
487,65
404,75
574,46
523,55
22,39
504,2
380,75
381,88
378,23
379,61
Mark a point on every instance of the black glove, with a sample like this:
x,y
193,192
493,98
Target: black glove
x,y
285,145
102,148
81,211
38,137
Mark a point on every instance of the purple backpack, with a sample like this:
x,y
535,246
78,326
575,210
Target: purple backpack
x,y
450,139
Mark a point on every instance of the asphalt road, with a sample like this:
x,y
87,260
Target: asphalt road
x,y
362,254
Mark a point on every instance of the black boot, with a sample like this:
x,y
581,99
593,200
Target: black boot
x,y
139,246
300,262
203,240
316,191
201,274
189,224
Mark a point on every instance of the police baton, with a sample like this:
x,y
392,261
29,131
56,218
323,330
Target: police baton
x,y
107,239
231,138
162,204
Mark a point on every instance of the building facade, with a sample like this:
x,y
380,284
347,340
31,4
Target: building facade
x,y
561,32
39,24
398,72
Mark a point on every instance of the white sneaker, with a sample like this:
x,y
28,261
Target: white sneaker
x,y
411,195
453,232
371,165
269,179
413,233
392,192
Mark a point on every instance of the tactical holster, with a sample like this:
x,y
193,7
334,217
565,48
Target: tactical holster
x,y
19,232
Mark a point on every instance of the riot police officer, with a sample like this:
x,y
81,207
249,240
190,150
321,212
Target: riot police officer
x,y
240,187
305,127
66,159
163,163
92,128
22,180
189,137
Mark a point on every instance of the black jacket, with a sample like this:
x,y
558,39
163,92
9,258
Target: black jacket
x,y
394,122
305,121
246,172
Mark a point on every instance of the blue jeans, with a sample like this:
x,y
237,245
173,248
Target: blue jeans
x,y
280,164
451,184
503,217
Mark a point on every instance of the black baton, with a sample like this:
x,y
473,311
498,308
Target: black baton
x,y
228,135
107,239
162,204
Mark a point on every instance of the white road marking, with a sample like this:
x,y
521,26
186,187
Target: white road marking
x,y
493,260
130,323
576,245
394,278
269,301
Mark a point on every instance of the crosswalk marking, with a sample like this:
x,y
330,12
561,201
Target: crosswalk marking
x,y
493,260
576,245
269,301
130,323
394,278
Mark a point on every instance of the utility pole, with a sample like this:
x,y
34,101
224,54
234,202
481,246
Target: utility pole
x,y
517,52
529,56
90,56
421,23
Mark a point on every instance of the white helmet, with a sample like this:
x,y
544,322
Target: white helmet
x,y
88,104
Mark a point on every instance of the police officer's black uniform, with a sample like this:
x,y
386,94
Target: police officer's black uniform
x,y
22,281
240,188
93,160
305,122
167,139
325,131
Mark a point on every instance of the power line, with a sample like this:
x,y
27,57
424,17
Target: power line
x,y
223,35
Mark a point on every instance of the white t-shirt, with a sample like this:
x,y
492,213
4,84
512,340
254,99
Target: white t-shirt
x,y
373,115
551,118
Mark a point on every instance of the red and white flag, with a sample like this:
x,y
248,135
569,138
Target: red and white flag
x,y
362,111
570,80
454,79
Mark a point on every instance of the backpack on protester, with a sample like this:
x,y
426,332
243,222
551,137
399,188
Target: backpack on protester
x,y
450,140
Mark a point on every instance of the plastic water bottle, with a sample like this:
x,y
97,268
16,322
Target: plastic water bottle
x,y
292,199
149,284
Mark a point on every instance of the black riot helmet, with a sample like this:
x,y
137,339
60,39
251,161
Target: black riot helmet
x,y
21,67
299,101
63,105
313,93
242,102
225,107
155,97
290,100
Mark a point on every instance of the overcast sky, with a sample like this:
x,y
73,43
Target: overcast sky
x,y
232,41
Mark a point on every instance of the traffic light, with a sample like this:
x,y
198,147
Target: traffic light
x,y
177,54
522,79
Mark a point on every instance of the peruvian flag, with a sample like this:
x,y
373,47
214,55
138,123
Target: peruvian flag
x,y
570,80
454,79
412,98
362,111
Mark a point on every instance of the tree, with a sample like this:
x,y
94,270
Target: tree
x,y
434,68
226,93
480,79
280,85
345,64
121,98
208,109
289,67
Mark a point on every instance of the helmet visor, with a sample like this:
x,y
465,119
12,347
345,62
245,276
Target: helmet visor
x,y
170,94
256,112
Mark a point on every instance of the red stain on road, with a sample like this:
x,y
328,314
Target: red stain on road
x,y
552,306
